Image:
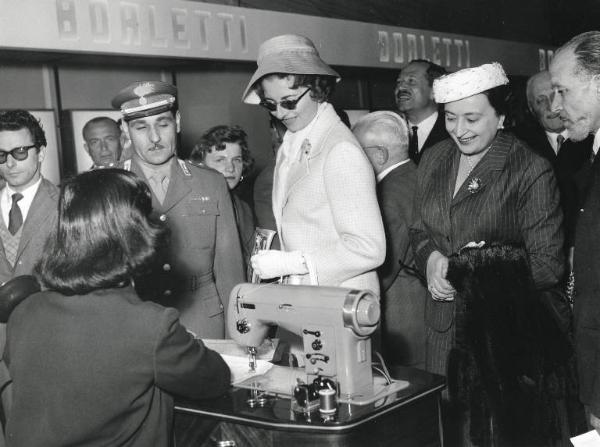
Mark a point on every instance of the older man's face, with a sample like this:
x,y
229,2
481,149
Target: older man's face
x,y
540,100
103,143
576,95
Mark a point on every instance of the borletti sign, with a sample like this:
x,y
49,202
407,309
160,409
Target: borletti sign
x,y
189,29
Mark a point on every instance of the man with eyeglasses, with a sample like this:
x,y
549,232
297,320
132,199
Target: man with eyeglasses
x,y
202,261
102,137
383,136
28,202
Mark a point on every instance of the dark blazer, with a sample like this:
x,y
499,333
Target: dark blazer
x,y
99,370
567,163
438,133
203,260
587,283
244,218
402,292
512,198
263,201
40,221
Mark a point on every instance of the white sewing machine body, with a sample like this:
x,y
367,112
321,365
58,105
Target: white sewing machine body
x,y
334,324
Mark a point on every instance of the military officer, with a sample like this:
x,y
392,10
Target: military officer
x,y
202,260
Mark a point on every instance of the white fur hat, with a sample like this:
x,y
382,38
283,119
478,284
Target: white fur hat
x,y
468,82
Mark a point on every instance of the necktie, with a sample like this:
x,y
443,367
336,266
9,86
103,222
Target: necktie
x,y
15,218
157,184
559,141
413,145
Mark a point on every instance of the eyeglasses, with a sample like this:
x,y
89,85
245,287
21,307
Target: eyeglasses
x,y
18,153
288,104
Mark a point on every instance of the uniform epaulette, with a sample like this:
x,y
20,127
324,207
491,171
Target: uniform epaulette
x,y
184,167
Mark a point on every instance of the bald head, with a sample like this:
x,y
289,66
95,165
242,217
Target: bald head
x,y
384,138
539,99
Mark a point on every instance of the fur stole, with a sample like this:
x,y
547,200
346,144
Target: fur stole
x,y
511,361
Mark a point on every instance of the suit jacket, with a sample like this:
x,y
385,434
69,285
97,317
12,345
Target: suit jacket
x,y
402,292
587,284
512,198
244,219
99,369
438,133
202,262
567,163
40,221
330,209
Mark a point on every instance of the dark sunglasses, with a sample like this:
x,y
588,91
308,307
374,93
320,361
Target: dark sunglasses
x,y
18,153
288,104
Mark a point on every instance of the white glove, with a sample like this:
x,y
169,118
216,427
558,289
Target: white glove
x,y
274,263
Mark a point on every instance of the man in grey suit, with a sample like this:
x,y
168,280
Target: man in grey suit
x,y
28,202
575,76
384,138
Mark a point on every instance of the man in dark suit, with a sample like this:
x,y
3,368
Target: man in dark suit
x,y
575,75
414,99
384,138
549,138
203,259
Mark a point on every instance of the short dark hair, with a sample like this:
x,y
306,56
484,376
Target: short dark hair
x,y
22,119
104,237
499,98
433,71
215,139
321,86
586,47
97,120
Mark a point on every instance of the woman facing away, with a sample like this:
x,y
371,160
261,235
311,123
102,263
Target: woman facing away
x,y
324,200
91,363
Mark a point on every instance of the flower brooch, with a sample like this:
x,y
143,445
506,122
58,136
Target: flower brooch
x,y
474,185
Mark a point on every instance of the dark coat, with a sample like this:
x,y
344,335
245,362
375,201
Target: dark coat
x,y
203,261
402,292
263,201
587,293
244,218
99,370
570,159
515,200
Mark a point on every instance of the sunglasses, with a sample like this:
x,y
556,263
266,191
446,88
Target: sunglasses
x,y
18,153
288,104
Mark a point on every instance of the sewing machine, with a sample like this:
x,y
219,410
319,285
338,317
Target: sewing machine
x,y
334,325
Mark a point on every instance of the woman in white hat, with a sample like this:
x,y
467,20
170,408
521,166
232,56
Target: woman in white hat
x,y
479,187
324,197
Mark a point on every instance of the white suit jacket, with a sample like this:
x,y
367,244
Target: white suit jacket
x,y
329,211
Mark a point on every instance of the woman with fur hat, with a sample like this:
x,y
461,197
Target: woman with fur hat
x,y
479,187
324,197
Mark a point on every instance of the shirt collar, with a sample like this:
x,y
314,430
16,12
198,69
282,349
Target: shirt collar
x,y
424,127
28,193
149,170
551,136
389,169
596,141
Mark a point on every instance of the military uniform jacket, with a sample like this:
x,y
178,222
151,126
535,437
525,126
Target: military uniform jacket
x,y
202,261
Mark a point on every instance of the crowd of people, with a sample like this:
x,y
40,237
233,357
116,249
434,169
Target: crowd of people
x,y
477,232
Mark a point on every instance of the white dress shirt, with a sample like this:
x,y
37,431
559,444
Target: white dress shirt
x,y
424,128
24,203
596,144
389,169
552,139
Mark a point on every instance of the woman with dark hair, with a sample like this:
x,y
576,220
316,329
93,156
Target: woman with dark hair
x,y
479,187
324,200
225,149
91,363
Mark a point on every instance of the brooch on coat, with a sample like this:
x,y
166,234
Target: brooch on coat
x,y
474,185
304,149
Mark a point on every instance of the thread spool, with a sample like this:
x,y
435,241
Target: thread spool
x,y
327,401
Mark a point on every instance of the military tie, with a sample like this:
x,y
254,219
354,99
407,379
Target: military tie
x,y
413,145
15,218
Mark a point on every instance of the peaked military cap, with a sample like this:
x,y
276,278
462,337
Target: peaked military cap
x,y
145,98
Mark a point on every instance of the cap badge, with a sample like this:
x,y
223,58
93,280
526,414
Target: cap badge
x,y
143,90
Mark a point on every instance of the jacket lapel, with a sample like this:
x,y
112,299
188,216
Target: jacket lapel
x,y
178,187
444,176
486,170
39,210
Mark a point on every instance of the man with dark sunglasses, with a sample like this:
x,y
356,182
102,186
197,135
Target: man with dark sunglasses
x,y
28,202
